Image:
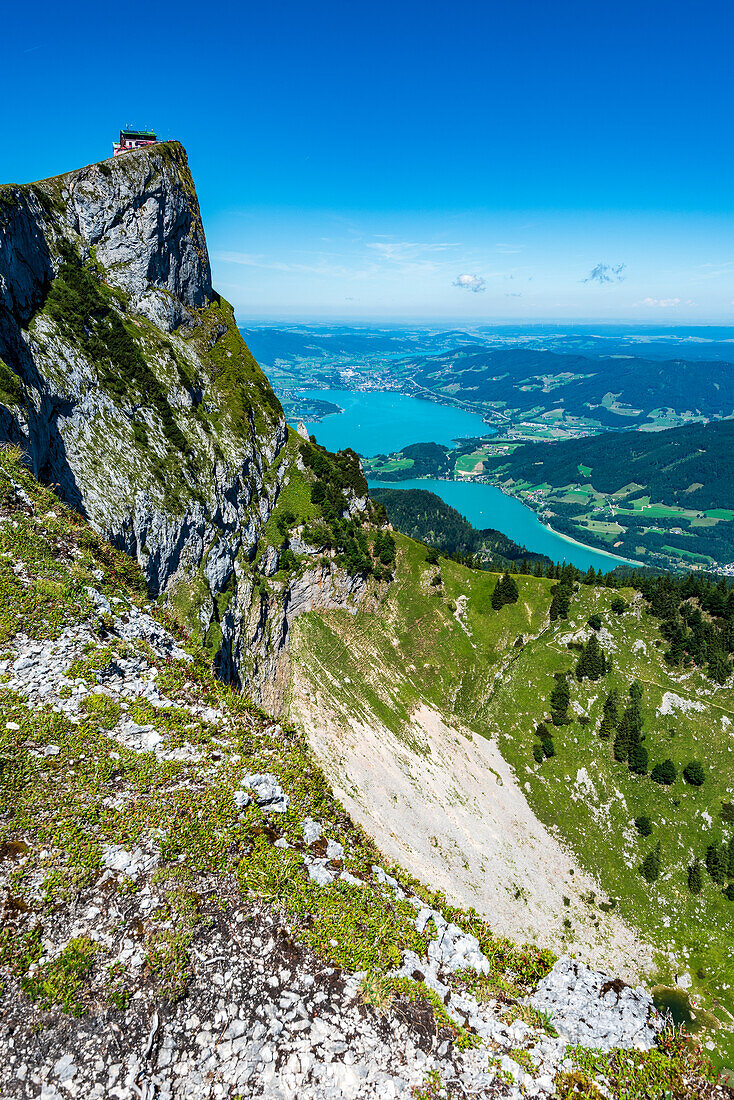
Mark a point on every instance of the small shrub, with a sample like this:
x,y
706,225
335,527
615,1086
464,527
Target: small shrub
x,y
643,825
594,621
664,773
376,989
538,754
618,605
694,774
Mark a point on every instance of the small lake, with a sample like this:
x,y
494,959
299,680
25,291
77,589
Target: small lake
x,y
485,506
378,422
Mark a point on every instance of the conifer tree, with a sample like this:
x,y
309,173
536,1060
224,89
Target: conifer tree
x,y
730,859
695,878
511,591
559,701
548,747
497,600
664,773
650,868
638,757
610,716
715,862
694,774
592,662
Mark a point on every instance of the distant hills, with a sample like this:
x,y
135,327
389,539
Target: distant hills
x,y
269,344
692,466
669,494
612,392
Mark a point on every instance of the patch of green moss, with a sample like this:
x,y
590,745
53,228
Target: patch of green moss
x,y
11,390
60,981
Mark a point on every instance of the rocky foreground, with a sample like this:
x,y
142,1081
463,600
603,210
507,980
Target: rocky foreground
x,y
188,912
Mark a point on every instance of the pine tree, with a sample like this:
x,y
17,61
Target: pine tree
x,y
638,757
664,773
730,859
650,868
497,600
719,666
610,716
643,825
592,662
559,701
511,590
538,754
715,863
695,878
694,774
548,747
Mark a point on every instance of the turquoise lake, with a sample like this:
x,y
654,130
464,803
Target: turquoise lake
x,y
380,423
485,506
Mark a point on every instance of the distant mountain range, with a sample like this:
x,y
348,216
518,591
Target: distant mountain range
x,y
269,344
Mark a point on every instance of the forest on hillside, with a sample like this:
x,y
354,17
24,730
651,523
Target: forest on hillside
x,y
424,516
692,466
522,379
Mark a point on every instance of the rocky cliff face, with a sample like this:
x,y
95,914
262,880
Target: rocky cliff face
x,y
124,378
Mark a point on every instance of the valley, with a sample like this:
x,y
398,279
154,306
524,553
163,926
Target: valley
x,y
642,497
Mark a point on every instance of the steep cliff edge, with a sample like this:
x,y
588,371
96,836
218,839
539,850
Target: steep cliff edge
x,y
125,380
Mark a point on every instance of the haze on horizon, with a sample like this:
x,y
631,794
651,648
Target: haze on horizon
x,y
549,162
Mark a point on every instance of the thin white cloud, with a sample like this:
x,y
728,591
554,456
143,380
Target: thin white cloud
x,y
474,283
662,303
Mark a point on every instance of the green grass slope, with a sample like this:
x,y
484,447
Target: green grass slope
x,y
494,671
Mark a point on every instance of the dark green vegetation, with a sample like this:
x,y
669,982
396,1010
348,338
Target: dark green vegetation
x,y
85,314
612,393
415,460
697,622
505,591
692,466
424,516
336,479
666,496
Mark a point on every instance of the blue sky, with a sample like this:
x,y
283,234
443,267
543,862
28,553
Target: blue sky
x,y
471,160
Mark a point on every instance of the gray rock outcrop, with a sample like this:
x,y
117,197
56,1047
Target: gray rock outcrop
x,y
125,380
593,1010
